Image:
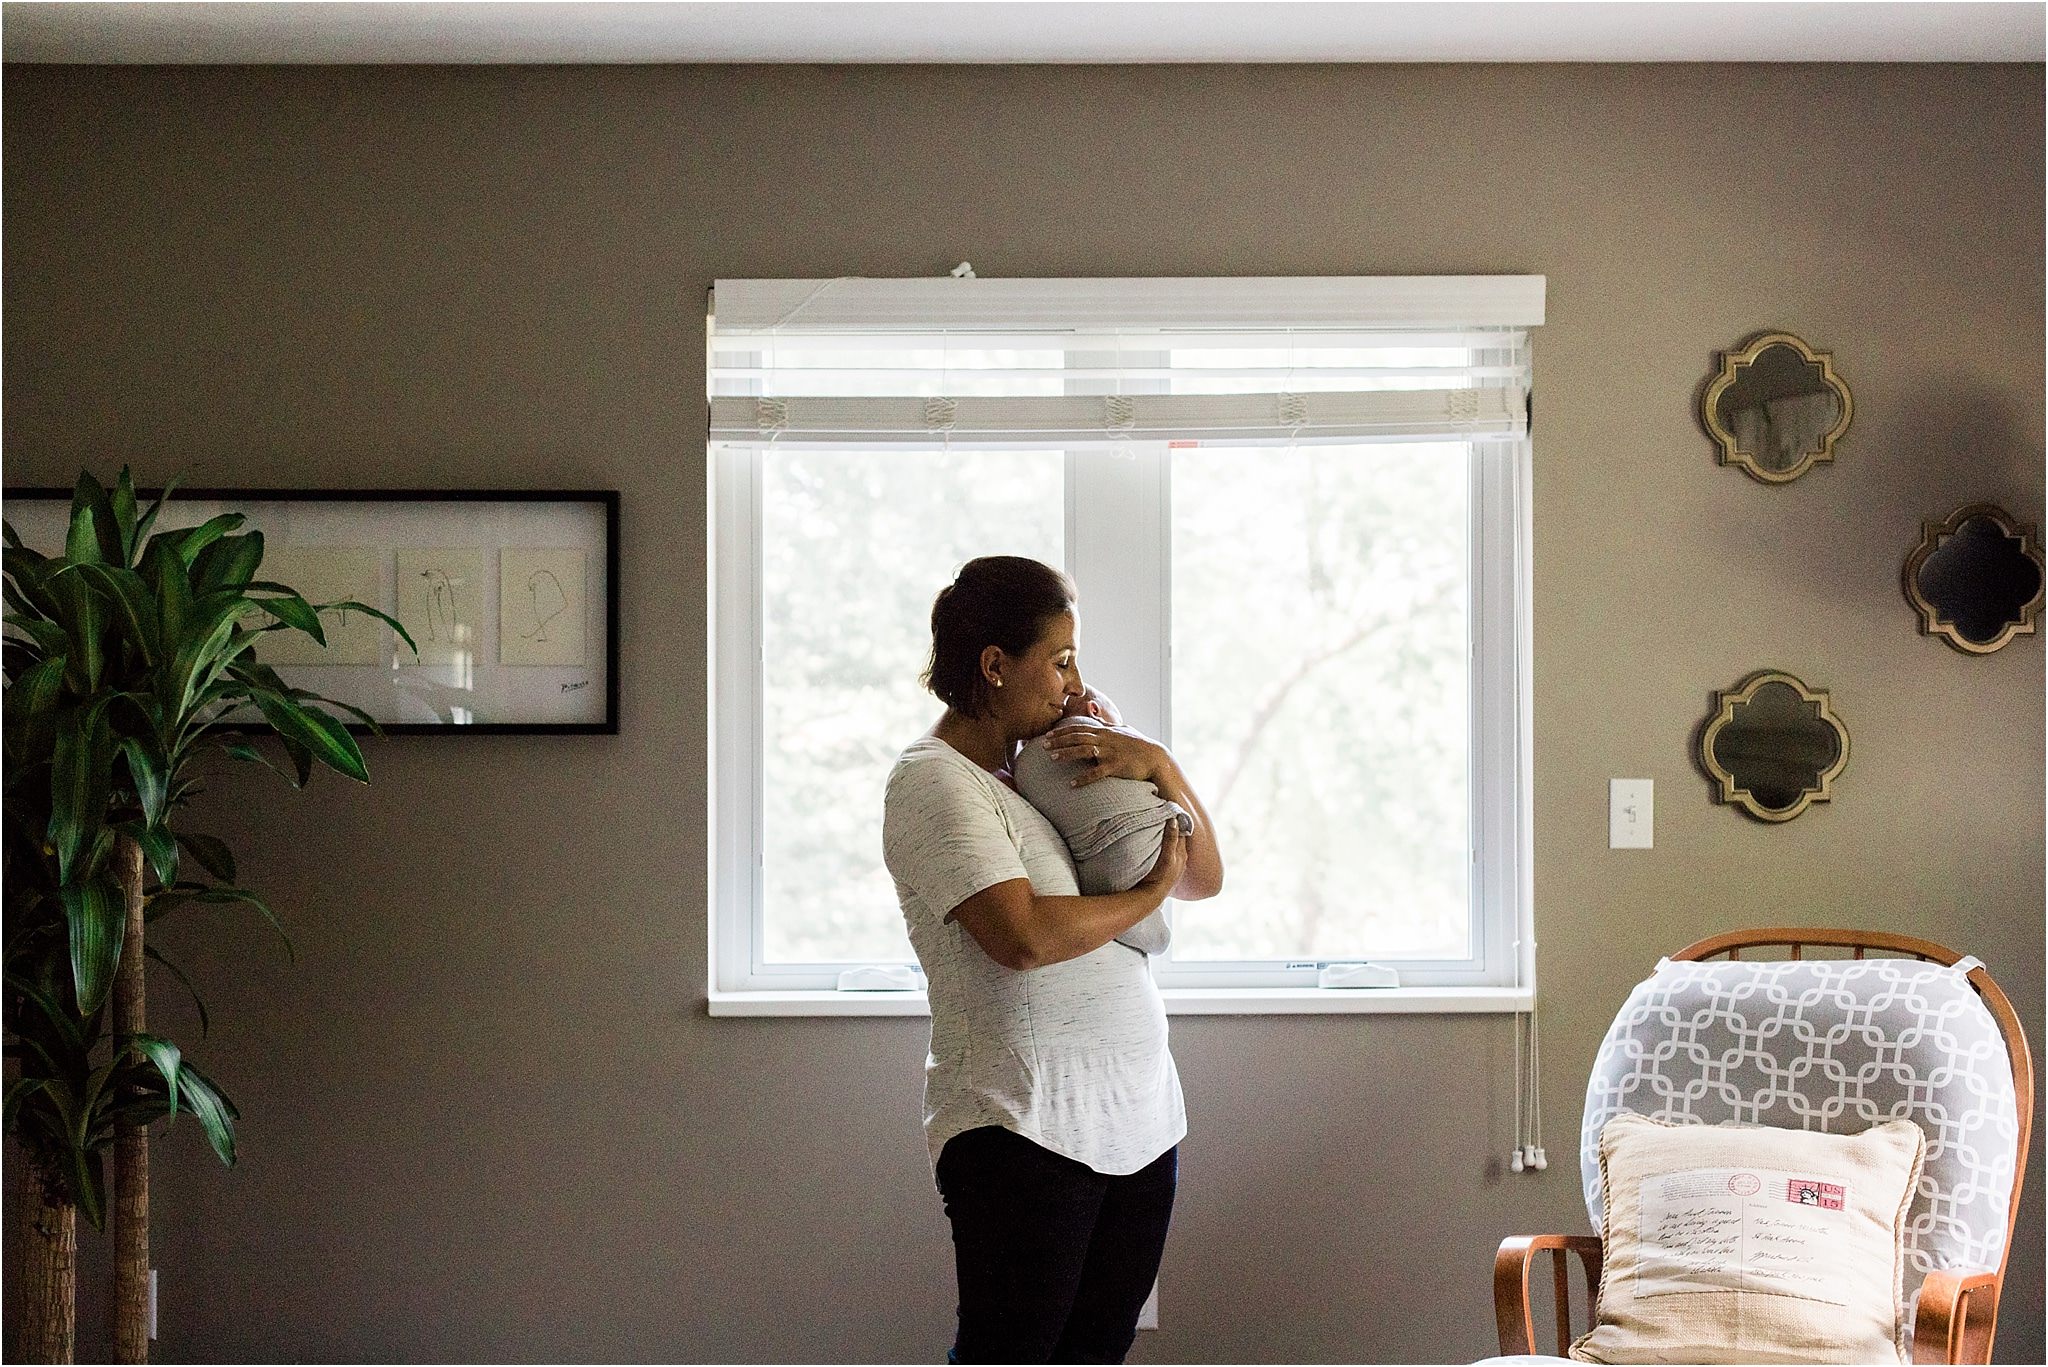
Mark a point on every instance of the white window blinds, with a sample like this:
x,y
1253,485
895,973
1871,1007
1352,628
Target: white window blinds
x,y
1062,363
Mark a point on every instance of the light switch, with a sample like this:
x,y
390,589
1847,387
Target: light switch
x,y
1631,807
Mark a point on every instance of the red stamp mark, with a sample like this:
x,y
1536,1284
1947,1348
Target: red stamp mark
x,y
1807,1191
1744,1184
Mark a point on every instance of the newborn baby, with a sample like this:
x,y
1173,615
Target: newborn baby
x,y
1112,826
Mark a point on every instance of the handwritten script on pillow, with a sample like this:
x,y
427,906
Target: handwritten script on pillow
x,y
1743,1229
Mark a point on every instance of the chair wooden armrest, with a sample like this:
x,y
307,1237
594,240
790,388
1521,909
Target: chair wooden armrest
x,y
1511,1268
1957,1317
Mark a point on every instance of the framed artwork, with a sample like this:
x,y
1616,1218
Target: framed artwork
x,y
510,595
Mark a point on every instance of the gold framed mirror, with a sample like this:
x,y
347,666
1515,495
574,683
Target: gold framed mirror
x,y
1776,408
1773,746
1975,578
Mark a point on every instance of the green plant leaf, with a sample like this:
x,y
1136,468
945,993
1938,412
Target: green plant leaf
x,y
325,738
165,1055
257,674
30,723
8,534
85,618
222,896
196,539
306,695
149,518
364,717
134,606
97,915
88,1183
81,783
168,899
201,653
349,605
212,853
17,656
95,1096
215,1113
28,568
18,602
295,612
247,753
18,1092
159,847
48,637
123,503
60,1019
228,563
164,571
301,758
150,951
150,775
93,537
106,519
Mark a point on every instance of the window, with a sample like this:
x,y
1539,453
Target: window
x,y
1296,512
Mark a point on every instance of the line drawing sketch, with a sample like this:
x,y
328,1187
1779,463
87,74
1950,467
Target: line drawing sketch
x,y
441,614
327,574
542,606
544,591
441,601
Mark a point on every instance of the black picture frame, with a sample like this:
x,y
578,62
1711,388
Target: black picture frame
x,y
608,612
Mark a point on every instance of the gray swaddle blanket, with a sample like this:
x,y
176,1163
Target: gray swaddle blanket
x,y
1112,828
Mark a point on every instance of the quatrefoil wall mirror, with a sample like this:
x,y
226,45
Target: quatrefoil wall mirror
x,y
1776,408
1773,746
1975,578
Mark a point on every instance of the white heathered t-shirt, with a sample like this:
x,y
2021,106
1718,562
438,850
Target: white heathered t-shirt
x,y
1073,1055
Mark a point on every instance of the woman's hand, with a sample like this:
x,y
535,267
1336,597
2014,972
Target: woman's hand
x,y
1171,864
1110,752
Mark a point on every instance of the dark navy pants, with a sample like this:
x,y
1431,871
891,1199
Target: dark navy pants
x,y
1054,1259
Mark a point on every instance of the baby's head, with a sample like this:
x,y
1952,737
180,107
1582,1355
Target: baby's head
x,y
1089,703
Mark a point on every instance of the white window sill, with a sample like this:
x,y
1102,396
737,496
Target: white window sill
x,y
1180,1001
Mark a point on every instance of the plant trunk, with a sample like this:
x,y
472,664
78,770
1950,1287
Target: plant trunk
x,y
49,1271
131,1142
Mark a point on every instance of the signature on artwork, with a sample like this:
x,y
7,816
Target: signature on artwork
x,y
575,684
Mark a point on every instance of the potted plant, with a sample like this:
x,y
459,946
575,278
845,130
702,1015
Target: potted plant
x,y
126,657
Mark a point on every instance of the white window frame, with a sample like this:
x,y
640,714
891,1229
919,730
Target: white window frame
x,y
1125,640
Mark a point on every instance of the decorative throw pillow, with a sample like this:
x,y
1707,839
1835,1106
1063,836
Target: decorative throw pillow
x,y
1741,1243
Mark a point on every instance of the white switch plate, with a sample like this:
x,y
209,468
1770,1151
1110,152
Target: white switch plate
x,y
1148,1313
1631,813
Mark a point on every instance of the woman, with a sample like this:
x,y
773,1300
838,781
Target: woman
x,y
1052,1108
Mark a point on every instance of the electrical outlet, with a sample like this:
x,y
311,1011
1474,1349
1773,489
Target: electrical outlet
x,y
1148,1313
1631,812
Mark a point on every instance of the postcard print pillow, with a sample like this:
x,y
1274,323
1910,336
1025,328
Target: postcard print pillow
x,y
1744,1243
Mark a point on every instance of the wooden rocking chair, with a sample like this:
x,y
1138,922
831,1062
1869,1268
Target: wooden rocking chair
x,y
1957,1315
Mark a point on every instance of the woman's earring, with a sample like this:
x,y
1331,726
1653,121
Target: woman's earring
x,y
999,683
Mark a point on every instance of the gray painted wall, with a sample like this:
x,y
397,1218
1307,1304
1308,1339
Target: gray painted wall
x,y
486,1116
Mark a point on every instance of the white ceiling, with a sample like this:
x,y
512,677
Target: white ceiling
x,y
1005,31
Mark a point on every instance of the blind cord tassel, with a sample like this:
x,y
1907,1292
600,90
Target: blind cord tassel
x,y
1293,412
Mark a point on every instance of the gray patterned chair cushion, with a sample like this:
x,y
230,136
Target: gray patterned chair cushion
x,y
1830,1045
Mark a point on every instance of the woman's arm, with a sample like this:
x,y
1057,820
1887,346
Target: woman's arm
x,y
1119,752
1022,931
1204,875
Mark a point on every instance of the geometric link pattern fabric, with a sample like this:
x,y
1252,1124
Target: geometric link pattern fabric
x,y
1832,1045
